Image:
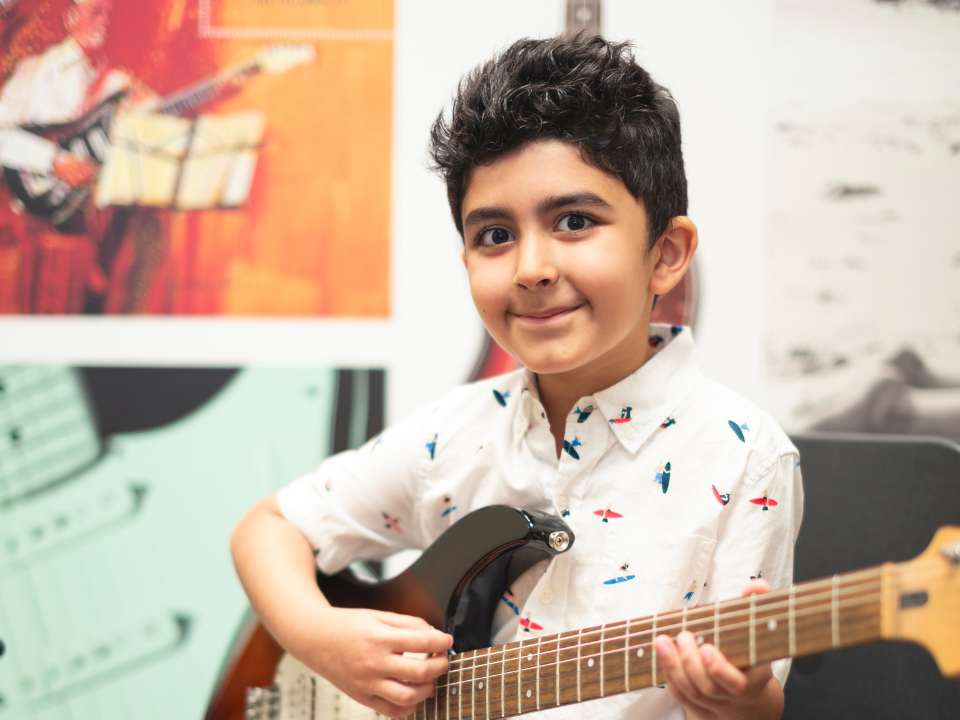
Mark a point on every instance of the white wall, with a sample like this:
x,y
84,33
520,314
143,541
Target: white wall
x,y
715,59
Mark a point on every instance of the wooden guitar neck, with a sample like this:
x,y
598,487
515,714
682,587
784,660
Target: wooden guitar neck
x,y
918,600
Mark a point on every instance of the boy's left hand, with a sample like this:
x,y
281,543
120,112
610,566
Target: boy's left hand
x,y
708,687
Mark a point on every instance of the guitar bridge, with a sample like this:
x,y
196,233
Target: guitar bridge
x,y
262,703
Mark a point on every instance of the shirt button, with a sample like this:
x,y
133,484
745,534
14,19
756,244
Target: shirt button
x,y
546,596
562,503
630,433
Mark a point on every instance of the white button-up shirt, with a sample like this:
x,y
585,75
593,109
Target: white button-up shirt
x,y
678,492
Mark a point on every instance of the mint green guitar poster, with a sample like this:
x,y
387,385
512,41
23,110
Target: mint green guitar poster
x,y
118,491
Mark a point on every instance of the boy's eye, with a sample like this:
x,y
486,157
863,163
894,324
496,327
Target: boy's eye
x,y
494,236
574,223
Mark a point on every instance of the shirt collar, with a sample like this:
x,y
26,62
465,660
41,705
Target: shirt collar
x,y
640,403
530,410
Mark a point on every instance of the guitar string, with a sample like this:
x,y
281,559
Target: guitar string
x,y
851,603
731,614
422,707
905,576
848,603
870,597
910,575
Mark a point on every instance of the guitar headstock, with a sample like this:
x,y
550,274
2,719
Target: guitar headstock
x,y
922,600
277,59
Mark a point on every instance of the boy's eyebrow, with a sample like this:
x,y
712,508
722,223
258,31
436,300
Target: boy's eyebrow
x,y
491,212
494,212
586,199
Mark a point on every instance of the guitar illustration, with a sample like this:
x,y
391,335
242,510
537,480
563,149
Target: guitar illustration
x,y
56,422
456,583
47,196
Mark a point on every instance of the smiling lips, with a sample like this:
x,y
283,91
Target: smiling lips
x,y
545,316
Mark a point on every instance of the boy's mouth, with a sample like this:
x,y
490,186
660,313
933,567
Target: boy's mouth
x,y
546,315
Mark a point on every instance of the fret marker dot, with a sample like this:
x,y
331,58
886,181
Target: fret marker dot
x,y
639,652
480,686
699,639
530,656
454,691
590,662
529,693
772,625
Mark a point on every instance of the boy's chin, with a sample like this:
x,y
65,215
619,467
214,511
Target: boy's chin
x,y
549,364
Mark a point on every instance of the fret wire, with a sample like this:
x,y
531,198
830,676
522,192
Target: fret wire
x,y
834,612
473,687
538,672
460,694
519,678
683,621
487,683
603,629
792,620
626,656
447,695
503,680
853,602
579,643
653,653
753,629
864,587
557,679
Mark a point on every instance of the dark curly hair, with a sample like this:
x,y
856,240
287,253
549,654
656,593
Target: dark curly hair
x,y
584,90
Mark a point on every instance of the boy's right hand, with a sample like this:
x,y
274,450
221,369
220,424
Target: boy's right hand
x,y
361,652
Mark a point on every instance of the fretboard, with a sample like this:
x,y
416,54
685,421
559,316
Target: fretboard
x,y
553,670
201,92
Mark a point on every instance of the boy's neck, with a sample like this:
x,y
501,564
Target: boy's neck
x,y
560,392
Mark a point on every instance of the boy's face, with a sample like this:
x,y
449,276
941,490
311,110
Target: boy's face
x,y
556,253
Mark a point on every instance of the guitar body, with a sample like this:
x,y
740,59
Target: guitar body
x,y
46,196
455,585
457,582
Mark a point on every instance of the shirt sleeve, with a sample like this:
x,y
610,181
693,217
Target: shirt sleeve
x,y
364,503
756,536
21,150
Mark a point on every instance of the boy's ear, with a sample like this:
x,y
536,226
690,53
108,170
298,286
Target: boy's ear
x,y
673,254
463,256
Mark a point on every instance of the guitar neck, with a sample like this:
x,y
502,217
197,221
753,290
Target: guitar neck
x,y
553,670
205,90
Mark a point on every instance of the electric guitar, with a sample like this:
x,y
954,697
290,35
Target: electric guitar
x,y
45,195
458,580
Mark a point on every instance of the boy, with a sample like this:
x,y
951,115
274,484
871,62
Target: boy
x,y
565,177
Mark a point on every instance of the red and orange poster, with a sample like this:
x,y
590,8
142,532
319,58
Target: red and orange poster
x,y
195,157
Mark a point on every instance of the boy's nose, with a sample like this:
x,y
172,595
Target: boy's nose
x,y
536,266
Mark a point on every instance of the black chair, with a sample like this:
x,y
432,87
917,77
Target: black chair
x,y
871,499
